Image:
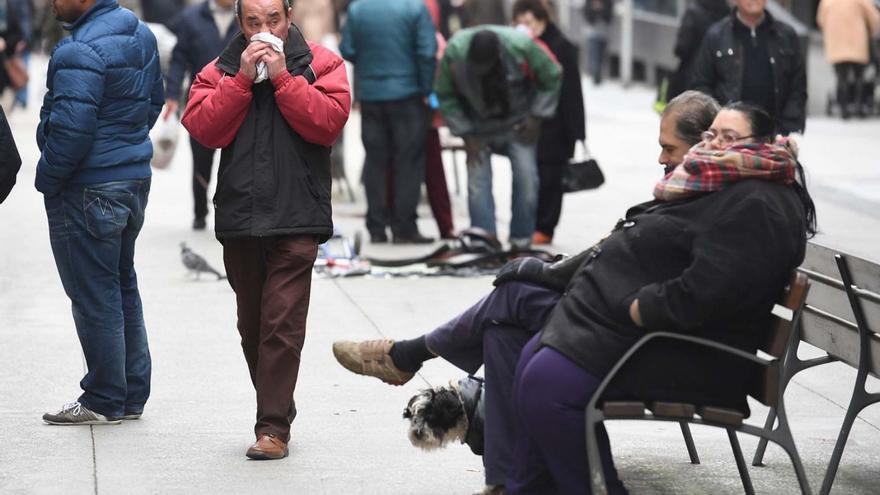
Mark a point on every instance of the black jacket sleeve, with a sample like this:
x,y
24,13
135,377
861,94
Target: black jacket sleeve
x,y
703,77
10,160
572,97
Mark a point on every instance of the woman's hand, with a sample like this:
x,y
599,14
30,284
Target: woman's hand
x,y
635,314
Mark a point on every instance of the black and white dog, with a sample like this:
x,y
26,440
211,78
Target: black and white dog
x,y
440,415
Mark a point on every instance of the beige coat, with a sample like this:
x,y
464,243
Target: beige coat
x,y
315,18
847,26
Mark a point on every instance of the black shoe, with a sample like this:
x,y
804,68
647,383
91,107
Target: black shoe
x,y
199,223
379,238
416,238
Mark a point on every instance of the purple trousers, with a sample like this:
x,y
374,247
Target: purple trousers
x,y
550,393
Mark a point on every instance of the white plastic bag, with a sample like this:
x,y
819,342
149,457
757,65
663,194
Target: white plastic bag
x,y
164,136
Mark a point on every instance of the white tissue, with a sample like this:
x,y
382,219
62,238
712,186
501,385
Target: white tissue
x,y
277,45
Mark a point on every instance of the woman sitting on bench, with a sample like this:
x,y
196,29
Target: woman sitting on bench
x,y
709,257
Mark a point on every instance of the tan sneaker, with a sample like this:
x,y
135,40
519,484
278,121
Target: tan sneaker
x,y
370,358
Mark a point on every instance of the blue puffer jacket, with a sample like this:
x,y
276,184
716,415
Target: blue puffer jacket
x,y
105,93
393,47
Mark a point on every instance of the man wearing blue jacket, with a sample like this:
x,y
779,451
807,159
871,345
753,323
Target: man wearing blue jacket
x,y
204,30
392,44
104,94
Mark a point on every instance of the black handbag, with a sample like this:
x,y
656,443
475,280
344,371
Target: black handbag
x,y
582,175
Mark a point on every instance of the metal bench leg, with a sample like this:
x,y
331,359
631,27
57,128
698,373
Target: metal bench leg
x,y
786,441
689,442
848,421
740,463
758,459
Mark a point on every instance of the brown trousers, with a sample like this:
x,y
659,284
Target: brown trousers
x,y
271,277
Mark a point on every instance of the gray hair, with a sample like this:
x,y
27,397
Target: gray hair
x,y
694,112
285,3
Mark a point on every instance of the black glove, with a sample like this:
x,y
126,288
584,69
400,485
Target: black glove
x,y
554,276
526,269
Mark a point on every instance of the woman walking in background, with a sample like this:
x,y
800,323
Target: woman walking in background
x,y
848,26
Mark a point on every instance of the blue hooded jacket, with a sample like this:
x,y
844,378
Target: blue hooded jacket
x,y
105,93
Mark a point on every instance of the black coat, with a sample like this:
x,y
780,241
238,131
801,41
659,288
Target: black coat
x,y
711,266
719,66
198,43
567,126
10,160
697,19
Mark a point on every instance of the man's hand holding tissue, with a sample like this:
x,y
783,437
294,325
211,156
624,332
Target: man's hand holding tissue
x,y
275,62
251,55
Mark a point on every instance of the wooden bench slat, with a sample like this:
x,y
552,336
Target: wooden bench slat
x,y
673,409
838,340
721,415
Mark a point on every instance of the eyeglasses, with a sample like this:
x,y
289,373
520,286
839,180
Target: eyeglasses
x,y
725,137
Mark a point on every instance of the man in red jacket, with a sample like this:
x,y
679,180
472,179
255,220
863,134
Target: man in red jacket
x,y
274,104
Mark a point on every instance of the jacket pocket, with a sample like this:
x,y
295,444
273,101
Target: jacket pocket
x,y
106,215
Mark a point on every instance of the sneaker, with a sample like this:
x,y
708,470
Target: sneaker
x,y
132,415
541,239
520,243
370,358
75,413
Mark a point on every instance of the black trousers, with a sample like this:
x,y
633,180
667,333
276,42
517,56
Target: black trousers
x,y
850,87
549,195
394,132
203,162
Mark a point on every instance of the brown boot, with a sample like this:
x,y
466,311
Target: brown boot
x,y
267,447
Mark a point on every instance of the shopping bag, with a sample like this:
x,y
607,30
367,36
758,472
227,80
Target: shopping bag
x,y
164,136
582,173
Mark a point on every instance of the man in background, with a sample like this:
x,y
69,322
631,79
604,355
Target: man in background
x,y
749,56
205,29
392,46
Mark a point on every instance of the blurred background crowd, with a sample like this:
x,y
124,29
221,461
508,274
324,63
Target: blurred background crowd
x,y
829,63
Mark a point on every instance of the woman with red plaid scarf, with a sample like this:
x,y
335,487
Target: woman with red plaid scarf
x,y
709,256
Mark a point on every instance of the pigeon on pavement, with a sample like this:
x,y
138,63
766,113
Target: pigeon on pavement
x,y
195,263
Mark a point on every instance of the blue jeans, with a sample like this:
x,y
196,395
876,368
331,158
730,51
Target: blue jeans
x,y
93,229
481,202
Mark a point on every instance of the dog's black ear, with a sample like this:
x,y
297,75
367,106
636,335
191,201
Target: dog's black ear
x,y
444,411
407,411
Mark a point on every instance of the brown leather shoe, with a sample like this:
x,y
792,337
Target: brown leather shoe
x,y
267,447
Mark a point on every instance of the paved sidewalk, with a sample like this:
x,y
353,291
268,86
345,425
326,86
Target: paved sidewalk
x,y
349,436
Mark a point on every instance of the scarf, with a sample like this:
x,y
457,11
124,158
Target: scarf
x,y
704,170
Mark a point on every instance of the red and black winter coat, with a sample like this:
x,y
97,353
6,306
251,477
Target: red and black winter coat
x,y
274,176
